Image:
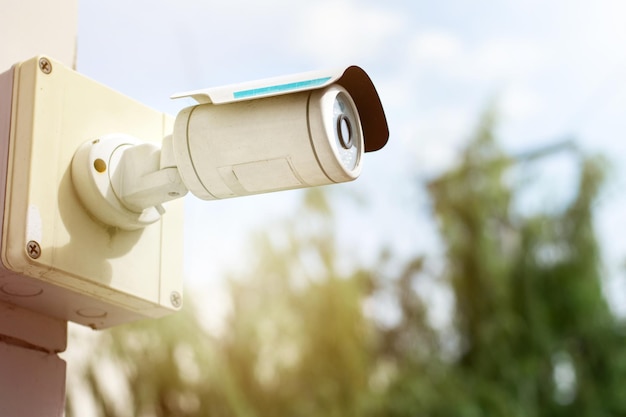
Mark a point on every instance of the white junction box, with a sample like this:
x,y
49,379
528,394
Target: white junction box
x,y
55,258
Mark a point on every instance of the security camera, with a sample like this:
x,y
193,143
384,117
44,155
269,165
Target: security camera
x,y
283,133
276,134
87,171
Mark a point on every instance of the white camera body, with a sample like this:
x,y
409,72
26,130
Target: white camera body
x,y
281,133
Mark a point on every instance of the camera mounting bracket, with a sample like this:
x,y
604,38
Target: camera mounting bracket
x,y
123,182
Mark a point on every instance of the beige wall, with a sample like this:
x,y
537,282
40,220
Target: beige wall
x,y
34,27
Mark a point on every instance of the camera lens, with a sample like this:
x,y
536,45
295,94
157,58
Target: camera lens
x,y
345,131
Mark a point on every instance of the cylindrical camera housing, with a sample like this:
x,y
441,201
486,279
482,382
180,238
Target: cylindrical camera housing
x,y
269,144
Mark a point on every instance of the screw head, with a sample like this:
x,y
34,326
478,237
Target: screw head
x,y
33,249
176,299
45,65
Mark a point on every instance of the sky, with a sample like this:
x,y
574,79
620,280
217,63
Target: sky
x,y
552,70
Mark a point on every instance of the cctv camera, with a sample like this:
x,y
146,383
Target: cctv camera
x,y
282,133
91,244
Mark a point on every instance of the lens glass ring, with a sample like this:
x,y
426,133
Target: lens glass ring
x,y
346,131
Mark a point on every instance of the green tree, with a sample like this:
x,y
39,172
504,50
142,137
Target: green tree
x,y
535,334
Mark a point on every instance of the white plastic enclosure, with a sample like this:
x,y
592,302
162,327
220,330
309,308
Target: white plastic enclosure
x,y
56,259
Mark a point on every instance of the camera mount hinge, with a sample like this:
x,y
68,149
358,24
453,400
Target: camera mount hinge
x,y
123,182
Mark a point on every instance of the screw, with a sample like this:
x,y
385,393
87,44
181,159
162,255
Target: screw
x,y
176,299
33,249
45,65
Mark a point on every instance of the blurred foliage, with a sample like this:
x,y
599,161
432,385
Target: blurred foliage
x,y
530,331
535,336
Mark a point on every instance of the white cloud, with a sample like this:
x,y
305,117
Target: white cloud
x,y
520,103
494,59
506,58
435,48
342,31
